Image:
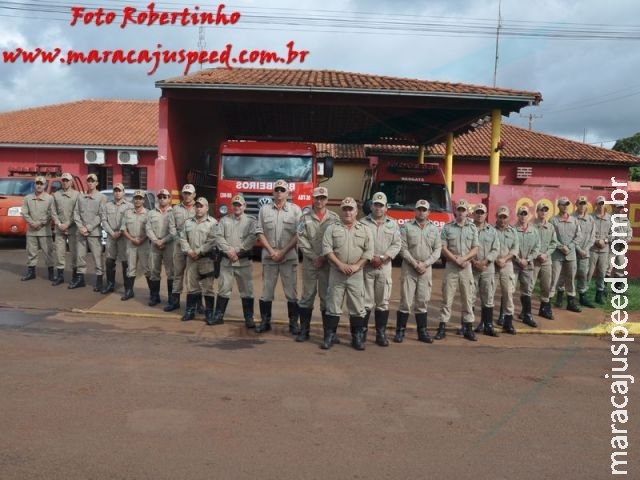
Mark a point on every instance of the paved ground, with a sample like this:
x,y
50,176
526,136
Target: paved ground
x,y
96,388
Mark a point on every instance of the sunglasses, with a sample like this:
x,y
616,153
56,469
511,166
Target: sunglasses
x,y
582,203
461,209
479,212
565,204
281,190
163,196
523,214
600,203
39,183
348,209
544,209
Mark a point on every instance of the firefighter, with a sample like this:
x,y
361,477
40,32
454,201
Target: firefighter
x,y
197,241
38,210
599,255
277,230
505,277
86,215
116,244
564,257
459,246
484,269
236,236
420,248
315,268
528,251
161,245
348,245
377,273
134,229
542,263
64,201
179,214
583,249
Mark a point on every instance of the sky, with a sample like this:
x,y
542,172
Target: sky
x,y
582,56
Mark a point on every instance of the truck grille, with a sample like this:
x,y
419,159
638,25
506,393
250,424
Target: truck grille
x,y
253,200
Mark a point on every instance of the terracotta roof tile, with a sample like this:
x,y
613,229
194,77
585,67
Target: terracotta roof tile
x,y
342,151
520,145
330,79
131,123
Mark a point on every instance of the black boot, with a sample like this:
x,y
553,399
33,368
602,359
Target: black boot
x,y
545,310
584,300
559,299
401,326
357,333
190,308
526,310
221,307
571,305
480,327
421,323
442,331
154,293
128,288
468,333
110,272
335,340
305,323
74,273
51,275
173,302
487,321
59,279
507,327
500,320
329,326
98,285
212,314
599,297
265,316
30,274
365,328
292,314
77,282
247,312
381,318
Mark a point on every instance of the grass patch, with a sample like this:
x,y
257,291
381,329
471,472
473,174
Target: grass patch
x,y
632,293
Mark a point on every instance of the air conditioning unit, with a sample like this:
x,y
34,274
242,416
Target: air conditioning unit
x,y
127,157
94,157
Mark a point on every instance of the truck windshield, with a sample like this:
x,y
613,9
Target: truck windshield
x,y
16,186
267,167
403,195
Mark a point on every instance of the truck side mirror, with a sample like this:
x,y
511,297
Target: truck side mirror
x,y
325,167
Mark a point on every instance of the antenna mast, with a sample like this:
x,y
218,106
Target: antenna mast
x,y
495,63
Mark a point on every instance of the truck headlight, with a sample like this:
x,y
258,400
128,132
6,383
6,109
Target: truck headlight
x,y
14,212
223,209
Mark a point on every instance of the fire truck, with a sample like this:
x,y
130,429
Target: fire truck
x,y
251,168
405,182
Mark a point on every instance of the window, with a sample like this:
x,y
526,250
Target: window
x,y
477,187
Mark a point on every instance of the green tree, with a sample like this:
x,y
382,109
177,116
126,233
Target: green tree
x,y
630,145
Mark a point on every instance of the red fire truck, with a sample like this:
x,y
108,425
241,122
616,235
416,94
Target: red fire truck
x,y
251,168
404,182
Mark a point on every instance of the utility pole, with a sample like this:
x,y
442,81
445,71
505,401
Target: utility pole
x,y
495,63
202,42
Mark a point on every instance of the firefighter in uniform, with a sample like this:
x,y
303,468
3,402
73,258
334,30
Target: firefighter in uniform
x,y
197,241
420,247
37,210
528,251
459,246
64,201
161,245
315,268
484,269
542,263
583,249
235,240
564,257
599,255
86,215
377,273
277,230
505,276
179,214
134,229
348,245
116,245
